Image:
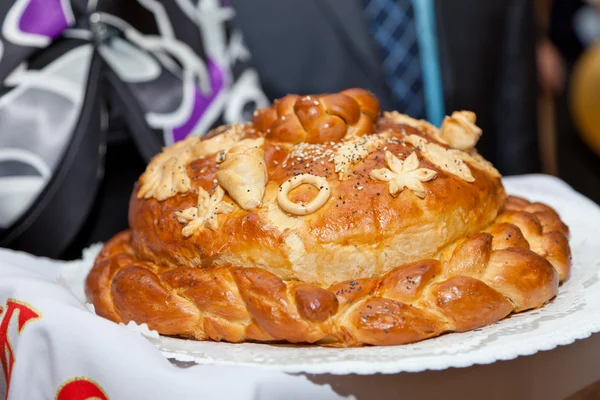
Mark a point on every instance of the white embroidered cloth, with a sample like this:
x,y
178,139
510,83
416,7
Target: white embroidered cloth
x,y
53,347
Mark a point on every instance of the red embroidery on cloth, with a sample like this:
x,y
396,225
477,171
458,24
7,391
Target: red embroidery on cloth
x,y
80,388
26,314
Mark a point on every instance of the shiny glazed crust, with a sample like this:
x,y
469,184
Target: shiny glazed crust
x,y
321,222
514,265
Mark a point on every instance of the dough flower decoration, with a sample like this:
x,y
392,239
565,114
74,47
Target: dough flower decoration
x,y
405,174
205,213
166,174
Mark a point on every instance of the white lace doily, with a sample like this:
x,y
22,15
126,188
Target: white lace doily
x,y
573,314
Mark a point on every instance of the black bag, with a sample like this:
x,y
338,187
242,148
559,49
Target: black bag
x,y
81,98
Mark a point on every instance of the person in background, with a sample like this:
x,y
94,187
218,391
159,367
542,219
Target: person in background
x,y
574,31
568,59
425,58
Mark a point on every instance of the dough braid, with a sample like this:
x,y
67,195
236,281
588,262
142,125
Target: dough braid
x,y
319,118
514,265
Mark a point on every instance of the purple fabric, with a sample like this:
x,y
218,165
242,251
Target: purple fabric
x,y
44,17
201,102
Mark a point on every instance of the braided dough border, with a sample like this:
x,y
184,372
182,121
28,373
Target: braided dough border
x,y
514,265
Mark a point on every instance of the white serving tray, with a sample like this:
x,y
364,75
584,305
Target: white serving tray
x,y
573,314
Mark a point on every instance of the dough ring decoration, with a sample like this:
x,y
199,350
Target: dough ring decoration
x,y
300,209
324,221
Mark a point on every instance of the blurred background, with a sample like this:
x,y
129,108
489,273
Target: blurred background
x,y
90,90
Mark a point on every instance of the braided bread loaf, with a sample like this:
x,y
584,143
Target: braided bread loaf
x,y
385,231
319,119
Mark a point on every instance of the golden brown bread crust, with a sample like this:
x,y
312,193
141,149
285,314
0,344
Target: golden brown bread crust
x,y
322,223
477,281
361,231
319,118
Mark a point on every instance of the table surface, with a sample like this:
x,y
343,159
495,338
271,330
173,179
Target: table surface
x,y
568,372
590,392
